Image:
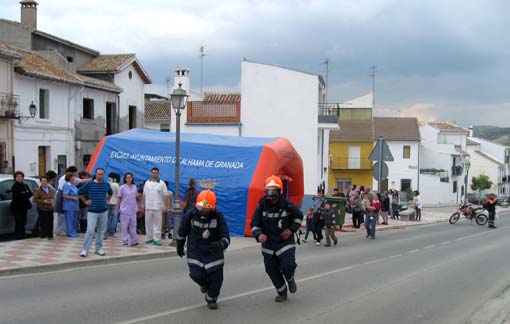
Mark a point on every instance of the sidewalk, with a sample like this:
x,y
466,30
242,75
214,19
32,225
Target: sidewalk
x,y
35,255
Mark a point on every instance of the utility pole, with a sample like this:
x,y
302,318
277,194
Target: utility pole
x,y
326,62
201,67
372,74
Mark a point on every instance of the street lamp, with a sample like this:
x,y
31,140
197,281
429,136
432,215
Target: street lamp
x,y
467,165
178,99
32,108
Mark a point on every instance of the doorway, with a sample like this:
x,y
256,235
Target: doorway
x,y
42,160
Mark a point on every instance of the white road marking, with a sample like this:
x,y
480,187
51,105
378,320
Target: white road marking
x,y
395,256
413,251
445,242
430,246
375,261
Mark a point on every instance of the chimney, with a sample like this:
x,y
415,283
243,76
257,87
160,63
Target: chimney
x,y
181,76
29,13
470,131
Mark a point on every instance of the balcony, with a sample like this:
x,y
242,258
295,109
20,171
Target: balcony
x,y
457,170
199,112
345,163
9,106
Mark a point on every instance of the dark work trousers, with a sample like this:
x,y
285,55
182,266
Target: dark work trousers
x,y
318,230
279,266
492,216
212,281
310,227
20,220
357,218
45,222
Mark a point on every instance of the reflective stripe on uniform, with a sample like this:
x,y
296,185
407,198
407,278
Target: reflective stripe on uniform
x,y
267,251
275,215
297,220
282,288
285,248
178,237
208,298
214,263
195,262
255,228
212,224
226,240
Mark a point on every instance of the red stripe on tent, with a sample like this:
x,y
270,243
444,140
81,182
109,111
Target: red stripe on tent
x,y
278,158
93,160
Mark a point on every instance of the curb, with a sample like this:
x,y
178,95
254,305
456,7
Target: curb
x,y
495,311
80,264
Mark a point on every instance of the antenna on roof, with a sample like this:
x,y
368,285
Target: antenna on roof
x,y
201,55
372,74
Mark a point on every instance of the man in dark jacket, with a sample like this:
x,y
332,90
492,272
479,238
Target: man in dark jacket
x,y
273,224
490,205
20,203
208,235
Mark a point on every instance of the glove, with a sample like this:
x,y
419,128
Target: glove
x,y
180,251
215,247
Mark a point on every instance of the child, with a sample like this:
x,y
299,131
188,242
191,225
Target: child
x,y
309,225
329,225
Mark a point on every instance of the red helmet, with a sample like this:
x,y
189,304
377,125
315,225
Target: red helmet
x,y
274,181
206,199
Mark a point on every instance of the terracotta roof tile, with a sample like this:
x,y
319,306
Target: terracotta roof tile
x,y
353,130
396,129
32,64
210,97
106,63
157,109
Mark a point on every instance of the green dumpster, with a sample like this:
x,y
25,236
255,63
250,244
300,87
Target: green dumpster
x,y
338,205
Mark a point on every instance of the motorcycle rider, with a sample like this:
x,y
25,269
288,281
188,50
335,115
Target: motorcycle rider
x,y
208,235
273,224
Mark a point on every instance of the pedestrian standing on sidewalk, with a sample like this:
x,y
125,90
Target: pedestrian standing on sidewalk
x,y
394,204
113,216
155,202
98,192
60,227
43,198
357,209
166,223
309,225
207,234
82,213
418,205
127,208
273,224
385,208
329,224
490,205
318,215
20,203
71,205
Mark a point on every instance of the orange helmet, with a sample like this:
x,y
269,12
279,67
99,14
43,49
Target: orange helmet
x,y
273,181
206,199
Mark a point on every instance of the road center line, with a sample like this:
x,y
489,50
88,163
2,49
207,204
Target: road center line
x,y
430,246
247,293
413,251
375,261
395,256
445,242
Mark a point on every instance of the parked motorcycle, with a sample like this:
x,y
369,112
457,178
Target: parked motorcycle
x,y
469,213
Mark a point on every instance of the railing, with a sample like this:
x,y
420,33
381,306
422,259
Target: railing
x,y
345,163
210,112
9,106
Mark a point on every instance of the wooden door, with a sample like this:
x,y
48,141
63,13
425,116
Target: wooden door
x,y
42,161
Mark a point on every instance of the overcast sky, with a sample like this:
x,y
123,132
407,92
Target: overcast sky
x,y
435,59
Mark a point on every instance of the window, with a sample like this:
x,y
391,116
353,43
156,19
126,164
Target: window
x,y
61,163
4,187
88,108
132,117
69,59
407,152
454,186
44,104
164,127
130,74
405,184
343,183
111,118
85,160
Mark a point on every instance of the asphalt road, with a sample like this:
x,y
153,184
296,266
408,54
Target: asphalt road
x,y
436,273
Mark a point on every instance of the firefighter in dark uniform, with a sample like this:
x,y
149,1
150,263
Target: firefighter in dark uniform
x,y
208,235
273,224
490,205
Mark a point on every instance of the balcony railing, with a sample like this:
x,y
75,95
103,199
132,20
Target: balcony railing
x,y
209,112
9,106
457,170
345,163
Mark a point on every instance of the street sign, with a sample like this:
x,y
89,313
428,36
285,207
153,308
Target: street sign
x,y
375,155
384,171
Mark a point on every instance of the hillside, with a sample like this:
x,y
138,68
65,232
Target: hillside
x,y
500,135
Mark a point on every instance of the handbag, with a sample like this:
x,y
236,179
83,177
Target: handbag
x,y
59,202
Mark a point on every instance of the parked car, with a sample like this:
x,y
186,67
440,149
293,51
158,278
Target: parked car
x,y
6,219
477,198
502,199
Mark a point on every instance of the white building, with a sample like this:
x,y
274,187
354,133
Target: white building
x,y
274,102
491,159
442,157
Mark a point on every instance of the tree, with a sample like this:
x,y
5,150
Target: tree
x,y
481,183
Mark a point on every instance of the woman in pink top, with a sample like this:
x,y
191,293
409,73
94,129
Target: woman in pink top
x,y
126,206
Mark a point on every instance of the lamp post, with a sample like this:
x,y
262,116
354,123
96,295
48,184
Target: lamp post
x,y
178,99
467,165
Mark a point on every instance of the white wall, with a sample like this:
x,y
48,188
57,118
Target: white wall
x,y
436,193
402,168
29,134
132,95
283,103
482,165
